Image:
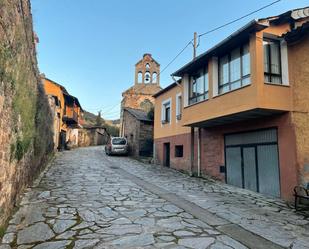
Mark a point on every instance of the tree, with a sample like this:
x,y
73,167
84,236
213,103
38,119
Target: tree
x,y
99,120
150,113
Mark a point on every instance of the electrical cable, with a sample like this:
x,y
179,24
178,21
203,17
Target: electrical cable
x,y
240,18
215,29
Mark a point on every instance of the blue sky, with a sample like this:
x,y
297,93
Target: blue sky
x,y
91,46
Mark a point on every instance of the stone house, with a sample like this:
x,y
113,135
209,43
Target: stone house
x,y
241,112
138,129
92,136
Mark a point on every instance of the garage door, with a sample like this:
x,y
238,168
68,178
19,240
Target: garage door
x,y
252,161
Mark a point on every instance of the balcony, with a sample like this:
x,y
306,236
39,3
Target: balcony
x,y
70,116
249,102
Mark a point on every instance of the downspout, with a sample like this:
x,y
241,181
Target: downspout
x,y
192,152
199,152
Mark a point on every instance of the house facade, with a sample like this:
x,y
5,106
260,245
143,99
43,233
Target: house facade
x,y
67,113
171,137
92,135
244,116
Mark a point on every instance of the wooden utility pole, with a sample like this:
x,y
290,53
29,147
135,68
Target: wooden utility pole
x,y
192,128
194,45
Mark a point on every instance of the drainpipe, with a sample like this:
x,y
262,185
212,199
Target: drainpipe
x,y
192,151
154,153
199,152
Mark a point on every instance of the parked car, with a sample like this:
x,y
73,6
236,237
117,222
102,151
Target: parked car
x,y
117,146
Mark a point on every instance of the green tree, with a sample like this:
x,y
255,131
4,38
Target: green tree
x,y
150,113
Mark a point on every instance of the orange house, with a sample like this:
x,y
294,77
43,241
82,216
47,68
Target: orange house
x,y
244,115
67,114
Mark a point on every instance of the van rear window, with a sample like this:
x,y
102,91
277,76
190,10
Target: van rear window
x,y
119,141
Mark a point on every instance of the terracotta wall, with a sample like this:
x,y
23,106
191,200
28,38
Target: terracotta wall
x,y
53,89
299,78
180,163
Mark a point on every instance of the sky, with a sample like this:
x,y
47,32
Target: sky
x,y
91,46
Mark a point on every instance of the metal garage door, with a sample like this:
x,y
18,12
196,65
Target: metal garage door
x,y
252,161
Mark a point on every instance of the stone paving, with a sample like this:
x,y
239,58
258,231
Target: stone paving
x,y
81,202
269,218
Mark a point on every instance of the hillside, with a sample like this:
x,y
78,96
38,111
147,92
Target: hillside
x,y
112,126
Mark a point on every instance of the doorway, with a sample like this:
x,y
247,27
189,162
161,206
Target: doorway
x,y
62,140
166,154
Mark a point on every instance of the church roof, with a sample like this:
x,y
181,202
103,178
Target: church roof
x,y
138,114
144,89
150,56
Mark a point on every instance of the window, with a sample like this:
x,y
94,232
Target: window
x,y
234,69
198,87
272,61
179,151
119,141
166,112
178,106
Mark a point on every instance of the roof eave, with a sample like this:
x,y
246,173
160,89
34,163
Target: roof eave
x,y
166,89
250,27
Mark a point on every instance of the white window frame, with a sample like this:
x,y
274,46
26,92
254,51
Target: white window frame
x,y
185,83
215,77
242,78
283,57
178,105
284,63
164,103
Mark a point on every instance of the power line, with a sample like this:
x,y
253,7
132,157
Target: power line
x,y
240,18
109,110
112,114
174,59
205,33
215,29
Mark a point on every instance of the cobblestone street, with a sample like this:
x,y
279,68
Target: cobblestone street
x,y
88,200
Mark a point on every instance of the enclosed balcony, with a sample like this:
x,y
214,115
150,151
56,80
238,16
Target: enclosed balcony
x,y
244,77
70,116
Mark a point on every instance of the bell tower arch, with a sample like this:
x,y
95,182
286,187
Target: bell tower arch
x,y
147,71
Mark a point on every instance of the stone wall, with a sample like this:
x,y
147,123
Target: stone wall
x,y
92,137
131,132
146,139
26,137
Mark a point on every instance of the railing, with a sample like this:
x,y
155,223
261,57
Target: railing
x,y
70,115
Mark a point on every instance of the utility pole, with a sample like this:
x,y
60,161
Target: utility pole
x,y
194,45
192,128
